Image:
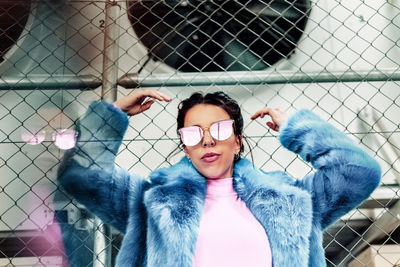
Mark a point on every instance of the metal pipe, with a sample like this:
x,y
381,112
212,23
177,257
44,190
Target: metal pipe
x,y
102,235
54,82
384,130
89,82
102,244
391,145
371,118
111,52
132,80
387,223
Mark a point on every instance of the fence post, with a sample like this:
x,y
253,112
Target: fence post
x,y
102,235
111,52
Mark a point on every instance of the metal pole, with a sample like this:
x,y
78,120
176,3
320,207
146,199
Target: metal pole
x,y
111,52
102,244
255,77
371,118
83,82
89,82
102,235
387,223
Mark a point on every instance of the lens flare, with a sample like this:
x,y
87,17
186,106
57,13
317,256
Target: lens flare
x,y
64,138
32,138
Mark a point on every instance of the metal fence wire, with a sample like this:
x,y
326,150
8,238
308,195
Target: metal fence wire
x,y
337,58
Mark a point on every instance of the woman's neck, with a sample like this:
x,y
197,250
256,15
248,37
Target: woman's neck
x,y
220,187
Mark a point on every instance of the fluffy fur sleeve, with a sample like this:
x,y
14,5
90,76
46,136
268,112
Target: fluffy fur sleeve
x,y
88,173
345,174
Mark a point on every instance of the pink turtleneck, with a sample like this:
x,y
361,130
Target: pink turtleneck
x,y
229,234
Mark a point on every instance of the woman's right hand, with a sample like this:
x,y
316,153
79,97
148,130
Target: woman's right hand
x,y
278,117
139,101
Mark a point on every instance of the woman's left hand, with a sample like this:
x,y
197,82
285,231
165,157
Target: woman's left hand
x,y
278,117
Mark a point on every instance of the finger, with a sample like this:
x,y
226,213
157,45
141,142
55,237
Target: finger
x,y
273,126
146,105
138,97
140,100
257,115
261,113
157,95
165,97
139,109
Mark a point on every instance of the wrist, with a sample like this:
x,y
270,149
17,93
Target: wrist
x,y
116,106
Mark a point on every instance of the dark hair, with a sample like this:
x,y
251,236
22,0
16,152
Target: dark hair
x,y
221,100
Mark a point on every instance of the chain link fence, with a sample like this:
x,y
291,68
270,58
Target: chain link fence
x,y
337,58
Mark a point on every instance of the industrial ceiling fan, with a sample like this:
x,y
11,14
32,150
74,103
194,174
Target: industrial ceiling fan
x,y
219,35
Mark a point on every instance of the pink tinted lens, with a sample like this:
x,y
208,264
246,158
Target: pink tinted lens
x,y
64,138
221,130
31,137
191,135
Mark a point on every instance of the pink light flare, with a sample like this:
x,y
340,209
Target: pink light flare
x,y
64,138
32,138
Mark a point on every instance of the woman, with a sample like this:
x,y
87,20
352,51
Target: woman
x,y
214,208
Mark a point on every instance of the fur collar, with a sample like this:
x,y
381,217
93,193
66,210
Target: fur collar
x,y
175,203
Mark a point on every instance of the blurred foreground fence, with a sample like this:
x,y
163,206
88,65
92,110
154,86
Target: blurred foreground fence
x,y
337,58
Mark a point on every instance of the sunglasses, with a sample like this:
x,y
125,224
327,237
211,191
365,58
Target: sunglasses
x,y
219,130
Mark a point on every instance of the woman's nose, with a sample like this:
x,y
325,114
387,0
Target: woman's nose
x,y
208,140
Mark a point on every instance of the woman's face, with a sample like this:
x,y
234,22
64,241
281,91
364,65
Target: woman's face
x,y
211,157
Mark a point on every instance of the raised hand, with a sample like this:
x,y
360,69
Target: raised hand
x,y
140,100
277,115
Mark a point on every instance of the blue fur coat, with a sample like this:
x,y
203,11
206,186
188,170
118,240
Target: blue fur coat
x,y
160,216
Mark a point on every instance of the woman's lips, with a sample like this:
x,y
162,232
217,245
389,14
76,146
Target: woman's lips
x,y
210,157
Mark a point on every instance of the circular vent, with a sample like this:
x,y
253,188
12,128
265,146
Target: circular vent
x,y
13,18
194,35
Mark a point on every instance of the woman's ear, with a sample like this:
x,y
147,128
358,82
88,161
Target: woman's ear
x,y
186,151
239,143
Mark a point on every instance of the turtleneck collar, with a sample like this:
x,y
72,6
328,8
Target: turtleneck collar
x,y
221,187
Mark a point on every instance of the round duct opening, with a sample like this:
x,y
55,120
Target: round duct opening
x,y
13,18
212,35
